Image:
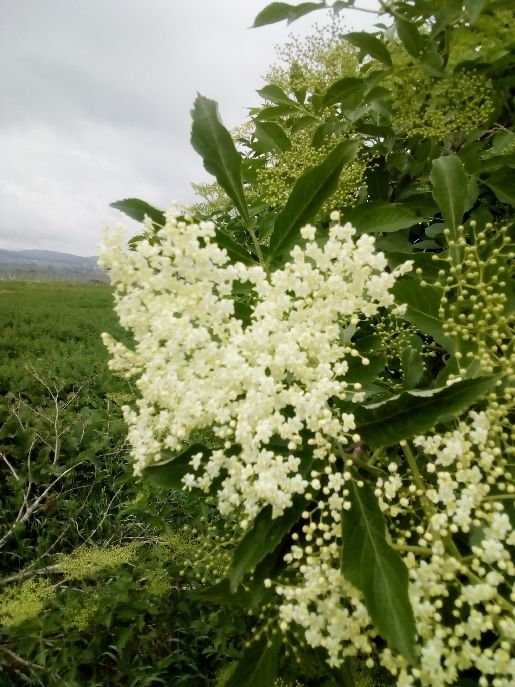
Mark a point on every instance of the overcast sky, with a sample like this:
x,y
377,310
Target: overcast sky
x,y
95,105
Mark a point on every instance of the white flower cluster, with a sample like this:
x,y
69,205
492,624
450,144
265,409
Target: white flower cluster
x,y
472,585
199,366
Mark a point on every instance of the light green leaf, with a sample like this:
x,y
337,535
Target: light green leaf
x,y
214,144
449,181
272,136
257,666
279,11
307,196
372,566
379,217
414,412
370,45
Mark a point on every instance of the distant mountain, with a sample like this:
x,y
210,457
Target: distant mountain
x,y
49,265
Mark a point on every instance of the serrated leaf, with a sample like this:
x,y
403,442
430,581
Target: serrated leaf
x,y
370,45
372,566
214,144
137,209
272,136
349,91
279,11
379,217
449,180
263,538
414,412
275,94
257,666
169,475
410,37
307,196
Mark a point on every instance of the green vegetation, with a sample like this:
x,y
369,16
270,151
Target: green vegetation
x,y
91,583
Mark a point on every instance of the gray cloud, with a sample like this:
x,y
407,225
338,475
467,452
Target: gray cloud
x,y
96,99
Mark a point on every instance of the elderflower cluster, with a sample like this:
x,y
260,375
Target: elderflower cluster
x,y
262,386
458,553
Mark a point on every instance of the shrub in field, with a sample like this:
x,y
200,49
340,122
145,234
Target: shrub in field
x,y
346,342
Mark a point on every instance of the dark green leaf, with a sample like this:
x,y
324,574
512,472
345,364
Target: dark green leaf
x,y
235,250
375,218
423,304
275,94
272,136
349,91
502,184
370,564
274,112
137,209
449,181
169,475
214,144
264,536
257,666
302,123
412,362
307,196
370,45
474,8
409,35
279,11
413,412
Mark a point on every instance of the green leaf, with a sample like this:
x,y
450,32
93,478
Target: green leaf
x,y
349,91
266,534
307,196
474,8
235,250
449,181
214,144
423,304
275,112
279,11
272,136
375,218
370,45
275,94
502,184
169,475
412,362
372,566
413,412
410,37
137,209
257,666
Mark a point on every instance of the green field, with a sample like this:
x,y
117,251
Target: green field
x,y
88,591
